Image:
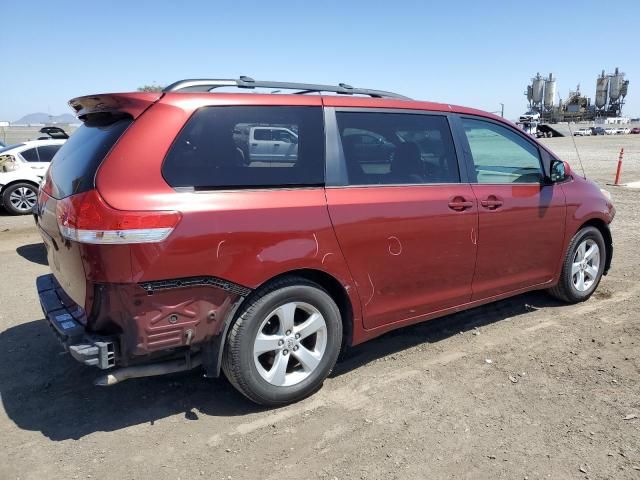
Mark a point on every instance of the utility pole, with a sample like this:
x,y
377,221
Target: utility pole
x,y
501,112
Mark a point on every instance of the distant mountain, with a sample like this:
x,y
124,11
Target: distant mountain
x,y
45,118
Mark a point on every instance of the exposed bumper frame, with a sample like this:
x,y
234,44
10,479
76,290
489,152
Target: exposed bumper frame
x,y
66,320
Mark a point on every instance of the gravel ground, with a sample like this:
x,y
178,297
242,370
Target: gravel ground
x,y
524,388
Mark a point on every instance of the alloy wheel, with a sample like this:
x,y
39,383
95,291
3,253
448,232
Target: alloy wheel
x,y
23,199
586,265
290,344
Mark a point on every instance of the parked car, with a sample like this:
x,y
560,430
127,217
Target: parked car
x,y
610,131
597,131
582,132
622,130
22,168
272,144
635,131
190,257
530,116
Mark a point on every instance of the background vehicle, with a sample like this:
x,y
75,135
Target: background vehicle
x,y
635,130
264,269
582,132
530,116
272,144
22,167
597,131
610,131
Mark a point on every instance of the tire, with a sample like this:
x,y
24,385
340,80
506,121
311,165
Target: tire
x,y
569,289
19,198
305,361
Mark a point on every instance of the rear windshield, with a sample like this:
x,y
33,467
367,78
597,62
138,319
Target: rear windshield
x,y
73,168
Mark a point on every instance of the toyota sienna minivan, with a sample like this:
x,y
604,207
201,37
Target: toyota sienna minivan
x,y
172,246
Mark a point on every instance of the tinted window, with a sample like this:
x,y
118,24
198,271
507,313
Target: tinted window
x,y
213,150
500,155
283,136
74,167
46,152
30,155
262,134
397,148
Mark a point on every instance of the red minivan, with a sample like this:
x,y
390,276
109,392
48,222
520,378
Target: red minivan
x,y
262,233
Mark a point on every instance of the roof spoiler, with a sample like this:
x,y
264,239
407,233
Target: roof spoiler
x,y
129,103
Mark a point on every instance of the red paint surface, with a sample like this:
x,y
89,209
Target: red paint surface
x,y
520,240
408,252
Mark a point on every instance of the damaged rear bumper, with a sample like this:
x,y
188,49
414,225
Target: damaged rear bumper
x,y
67,322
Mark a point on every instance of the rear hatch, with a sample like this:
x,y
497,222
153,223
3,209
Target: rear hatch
x,y
69,187
72,173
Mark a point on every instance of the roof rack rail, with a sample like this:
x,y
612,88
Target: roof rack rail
x,y
206,85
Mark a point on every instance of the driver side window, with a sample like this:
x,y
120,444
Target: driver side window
x,y
500,155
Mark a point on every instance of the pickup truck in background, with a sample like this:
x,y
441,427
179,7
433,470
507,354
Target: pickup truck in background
x,y
582,132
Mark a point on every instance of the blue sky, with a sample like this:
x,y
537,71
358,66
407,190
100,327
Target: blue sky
x,y
473,53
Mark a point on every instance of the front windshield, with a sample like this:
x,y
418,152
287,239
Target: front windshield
x,y
9,147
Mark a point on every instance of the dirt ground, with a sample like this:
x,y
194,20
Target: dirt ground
x,y
525,388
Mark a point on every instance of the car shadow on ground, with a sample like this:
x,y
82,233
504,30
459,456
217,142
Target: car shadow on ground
x,y
34,252
438,329
43,389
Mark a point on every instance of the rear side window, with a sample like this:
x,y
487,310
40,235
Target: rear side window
x,y
74,167
46,152
397,148
30,155
248,147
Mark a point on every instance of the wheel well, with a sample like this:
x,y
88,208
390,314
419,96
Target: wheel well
x,y
19,181
335,290
608,240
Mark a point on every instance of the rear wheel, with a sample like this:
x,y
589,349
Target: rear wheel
x,y
284,343
582,268
20,198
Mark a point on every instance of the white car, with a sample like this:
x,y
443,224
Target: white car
x,y
582,132
22,168
610,131
530,116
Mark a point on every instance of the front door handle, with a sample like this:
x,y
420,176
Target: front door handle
x,y
459,204
491,202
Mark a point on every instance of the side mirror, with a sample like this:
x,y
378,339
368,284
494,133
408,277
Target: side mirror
x,y
557,171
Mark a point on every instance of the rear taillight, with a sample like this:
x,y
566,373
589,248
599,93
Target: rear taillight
x,y
86,218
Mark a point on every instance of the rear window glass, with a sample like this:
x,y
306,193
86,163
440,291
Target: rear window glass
x,y
46,152
248,147
30,155
74,167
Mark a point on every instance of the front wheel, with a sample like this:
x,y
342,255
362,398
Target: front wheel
x,y
284,343
20,198
582,267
